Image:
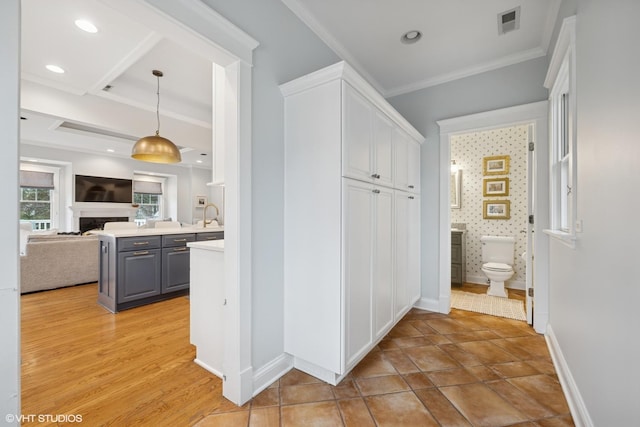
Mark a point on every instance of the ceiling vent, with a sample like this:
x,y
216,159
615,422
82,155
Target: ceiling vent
x,y
93,131
509,20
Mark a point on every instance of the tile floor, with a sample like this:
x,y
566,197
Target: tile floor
x,y
461,369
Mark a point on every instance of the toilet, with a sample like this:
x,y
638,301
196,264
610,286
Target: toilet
x,y
497,262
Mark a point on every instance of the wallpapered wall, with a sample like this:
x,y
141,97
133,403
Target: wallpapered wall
x,y
468,151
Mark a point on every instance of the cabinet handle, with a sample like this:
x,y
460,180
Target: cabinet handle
x,y
140,243
375,176
211,238
141,253
411,197
180,249
411,186
179,240
376,191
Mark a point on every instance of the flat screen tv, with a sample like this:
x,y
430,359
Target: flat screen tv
x,y
99,189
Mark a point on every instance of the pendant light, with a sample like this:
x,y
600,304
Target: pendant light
x,y
154,148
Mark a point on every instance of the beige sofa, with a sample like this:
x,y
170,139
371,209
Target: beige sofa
x,y
56,261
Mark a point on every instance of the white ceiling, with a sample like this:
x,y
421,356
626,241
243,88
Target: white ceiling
x,y
460,37
121,54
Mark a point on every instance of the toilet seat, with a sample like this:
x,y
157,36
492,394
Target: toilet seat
x,y
497,266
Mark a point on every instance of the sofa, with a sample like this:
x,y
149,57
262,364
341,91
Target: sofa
x,y
55,261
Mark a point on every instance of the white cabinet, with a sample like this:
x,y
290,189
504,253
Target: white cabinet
x,y
367,142
407,251
407,162
340,223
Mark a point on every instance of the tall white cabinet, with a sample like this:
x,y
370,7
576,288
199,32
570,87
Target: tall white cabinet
x,y
352,218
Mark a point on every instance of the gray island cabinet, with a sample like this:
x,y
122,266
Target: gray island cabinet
x,y
141,268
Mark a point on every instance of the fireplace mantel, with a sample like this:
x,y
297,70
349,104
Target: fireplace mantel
x,y
94,209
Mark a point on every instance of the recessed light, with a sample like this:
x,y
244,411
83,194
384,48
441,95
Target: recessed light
x,y
55,69
198,161
411,37
85,25
111,150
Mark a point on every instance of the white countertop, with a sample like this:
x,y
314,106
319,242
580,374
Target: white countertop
x,y
156,231
208,245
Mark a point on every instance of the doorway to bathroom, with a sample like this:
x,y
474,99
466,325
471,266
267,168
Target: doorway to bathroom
x,y
498,180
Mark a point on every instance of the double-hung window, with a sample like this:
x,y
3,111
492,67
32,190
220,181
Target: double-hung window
x,y
148,196
38,197
562,131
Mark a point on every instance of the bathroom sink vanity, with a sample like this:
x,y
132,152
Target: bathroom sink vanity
x,y
138,267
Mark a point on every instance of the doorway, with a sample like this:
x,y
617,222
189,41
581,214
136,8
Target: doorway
x,y
532,119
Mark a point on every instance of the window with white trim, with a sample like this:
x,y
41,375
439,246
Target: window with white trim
x,y
147,194
38,195
562,131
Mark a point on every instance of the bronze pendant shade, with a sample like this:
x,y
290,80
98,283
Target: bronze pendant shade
x,y
154,148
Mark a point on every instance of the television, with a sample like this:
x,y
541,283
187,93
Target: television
x,y
100,189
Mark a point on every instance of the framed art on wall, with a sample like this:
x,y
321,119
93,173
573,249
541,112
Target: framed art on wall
x,y
201,201
495,165
496,209
495,187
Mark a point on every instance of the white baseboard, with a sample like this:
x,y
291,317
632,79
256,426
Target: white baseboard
x,y
511,284
577,407
428,304
271,372
208,367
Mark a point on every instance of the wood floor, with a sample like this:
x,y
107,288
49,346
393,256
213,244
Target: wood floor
x,y
131,368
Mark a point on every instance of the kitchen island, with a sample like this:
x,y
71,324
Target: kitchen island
x,y
141,266
207,301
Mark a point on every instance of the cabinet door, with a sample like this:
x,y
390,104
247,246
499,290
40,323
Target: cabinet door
x,y
401,159
383,150
357,135
358,246
175,269
382,280
414,278
138,274
413,166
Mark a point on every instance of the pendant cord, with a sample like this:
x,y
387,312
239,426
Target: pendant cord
x,y
158,107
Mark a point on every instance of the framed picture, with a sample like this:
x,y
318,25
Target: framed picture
x,y
495,187
496,209
495,165
201,201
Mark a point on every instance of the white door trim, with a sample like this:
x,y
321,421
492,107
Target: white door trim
x,y
537,115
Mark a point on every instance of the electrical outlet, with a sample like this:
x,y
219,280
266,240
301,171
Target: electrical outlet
x,y
579,226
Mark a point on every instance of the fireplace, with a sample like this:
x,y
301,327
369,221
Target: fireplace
x,y
90,223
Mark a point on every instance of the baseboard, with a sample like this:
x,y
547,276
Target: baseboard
x,y
271,372
577,407
511,284
428,304
207,367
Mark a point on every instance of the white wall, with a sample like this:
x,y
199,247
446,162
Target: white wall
x,y
468,150
9,249
183,182
594,288
506,87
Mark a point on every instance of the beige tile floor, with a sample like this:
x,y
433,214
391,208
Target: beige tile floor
x,y
461,369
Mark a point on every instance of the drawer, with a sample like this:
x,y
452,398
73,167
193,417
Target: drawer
x,y
456,238
217,235
172,240
136,243
456,254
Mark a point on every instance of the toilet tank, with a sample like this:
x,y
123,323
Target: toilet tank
x,y
498,249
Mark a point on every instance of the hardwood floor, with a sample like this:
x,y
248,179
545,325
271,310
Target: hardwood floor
x,y
130,368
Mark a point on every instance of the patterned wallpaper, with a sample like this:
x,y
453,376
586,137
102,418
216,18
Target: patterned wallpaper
x,y
468,151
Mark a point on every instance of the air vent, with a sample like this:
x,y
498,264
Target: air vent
x,y
83,129
509,20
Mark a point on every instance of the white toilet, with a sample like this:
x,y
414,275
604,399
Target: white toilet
x,y
497,262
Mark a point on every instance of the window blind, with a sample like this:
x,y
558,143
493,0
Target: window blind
x,y
147,187
35,179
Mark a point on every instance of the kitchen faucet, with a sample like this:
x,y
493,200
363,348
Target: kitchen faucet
x,y
204,214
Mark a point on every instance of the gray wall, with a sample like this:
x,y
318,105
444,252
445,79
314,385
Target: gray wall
x,y
593,288
506,87
288,49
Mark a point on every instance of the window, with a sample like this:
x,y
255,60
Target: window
x,y
561,82
37,197
148,195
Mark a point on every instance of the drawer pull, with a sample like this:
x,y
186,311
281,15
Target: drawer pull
x,y
179,240
211,238
180,249
376,191
411,186
411,197
141,253
140,243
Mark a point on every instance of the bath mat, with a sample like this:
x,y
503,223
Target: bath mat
x,y
482,303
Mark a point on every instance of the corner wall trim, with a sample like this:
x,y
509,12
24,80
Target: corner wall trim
x,y
271,372
574,398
